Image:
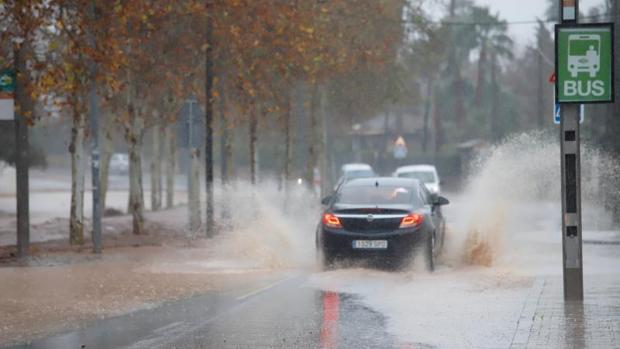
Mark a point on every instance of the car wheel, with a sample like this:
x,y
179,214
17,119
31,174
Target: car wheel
x,y
443,237
429,253
325,259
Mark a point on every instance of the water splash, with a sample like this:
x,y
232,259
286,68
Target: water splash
x,y
505,181
266,226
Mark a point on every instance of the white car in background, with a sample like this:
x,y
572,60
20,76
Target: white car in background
x,y
426,174
351,171
119,163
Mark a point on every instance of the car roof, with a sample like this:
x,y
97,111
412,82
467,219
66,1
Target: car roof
x,y
385,181
414,168
354,167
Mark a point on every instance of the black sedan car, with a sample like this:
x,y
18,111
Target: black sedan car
x,y
388,219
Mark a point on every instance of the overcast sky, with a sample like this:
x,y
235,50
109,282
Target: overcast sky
x,y
526,10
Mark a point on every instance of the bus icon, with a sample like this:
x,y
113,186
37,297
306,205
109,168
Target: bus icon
x,y
584,54
6,80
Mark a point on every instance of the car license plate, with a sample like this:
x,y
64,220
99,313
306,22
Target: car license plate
x,y
370,244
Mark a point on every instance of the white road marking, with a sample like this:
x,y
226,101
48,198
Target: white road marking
x,y
263,289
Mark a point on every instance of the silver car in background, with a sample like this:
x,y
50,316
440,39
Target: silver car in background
x,y
352,171
426,174
119,164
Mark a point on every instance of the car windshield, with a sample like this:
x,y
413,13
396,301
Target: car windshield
x,y
359,174
423,176
377,195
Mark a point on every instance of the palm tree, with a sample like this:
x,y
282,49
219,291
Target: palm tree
x,y
421,60
491,40
459,48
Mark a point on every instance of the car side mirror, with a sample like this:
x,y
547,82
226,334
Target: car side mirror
x,y
440,201
326,200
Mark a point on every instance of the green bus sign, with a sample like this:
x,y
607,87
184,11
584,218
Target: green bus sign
x,y
584,63
7,93
7,81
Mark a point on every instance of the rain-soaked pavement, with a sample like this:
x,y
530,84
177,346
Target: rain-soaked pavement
x,y
359,308
284,314
455,307
296,311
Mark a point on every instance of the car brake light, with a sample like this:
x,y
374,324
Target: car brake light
x,y
412,220
331,221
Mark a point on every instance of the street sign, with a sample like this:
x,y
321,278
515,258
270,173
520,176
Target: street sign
x,y
400,148
557,117
569,10
584,63
7,82
7,93
191,126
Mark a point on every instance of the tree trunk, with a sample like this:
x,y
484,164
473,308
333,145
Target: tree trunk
x,y
427,112
253,150
287,158
78,168
438,125
105,177
482,62
107,148
540,103
288,147
326,186
457,80
224,139
226,125
170,150
136,197
209,79
23,112
383,151
229,152
156,164
194,190
312,139
459,100
495,117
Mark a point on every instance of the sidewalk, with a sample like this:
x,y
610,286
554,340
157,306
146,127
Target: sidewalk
x,y
547,322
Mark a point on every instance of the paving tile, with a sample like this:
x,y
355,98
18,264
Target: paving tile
x,y
548,322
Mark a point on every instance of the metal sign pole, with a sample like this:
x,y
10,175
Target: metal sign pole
x,y
188,142
21,159
95,154
190,137
571,183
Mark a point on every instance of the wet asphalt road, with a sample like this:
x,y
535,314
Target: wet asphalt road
x,y
281,314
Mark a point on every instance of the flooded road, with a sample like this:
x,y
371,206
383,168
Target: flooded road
x,y
455,307
460,305
286,313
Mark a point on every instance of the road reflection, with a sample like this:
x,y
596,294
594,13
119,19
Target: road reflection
x,y
574,325
288,315
329,327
